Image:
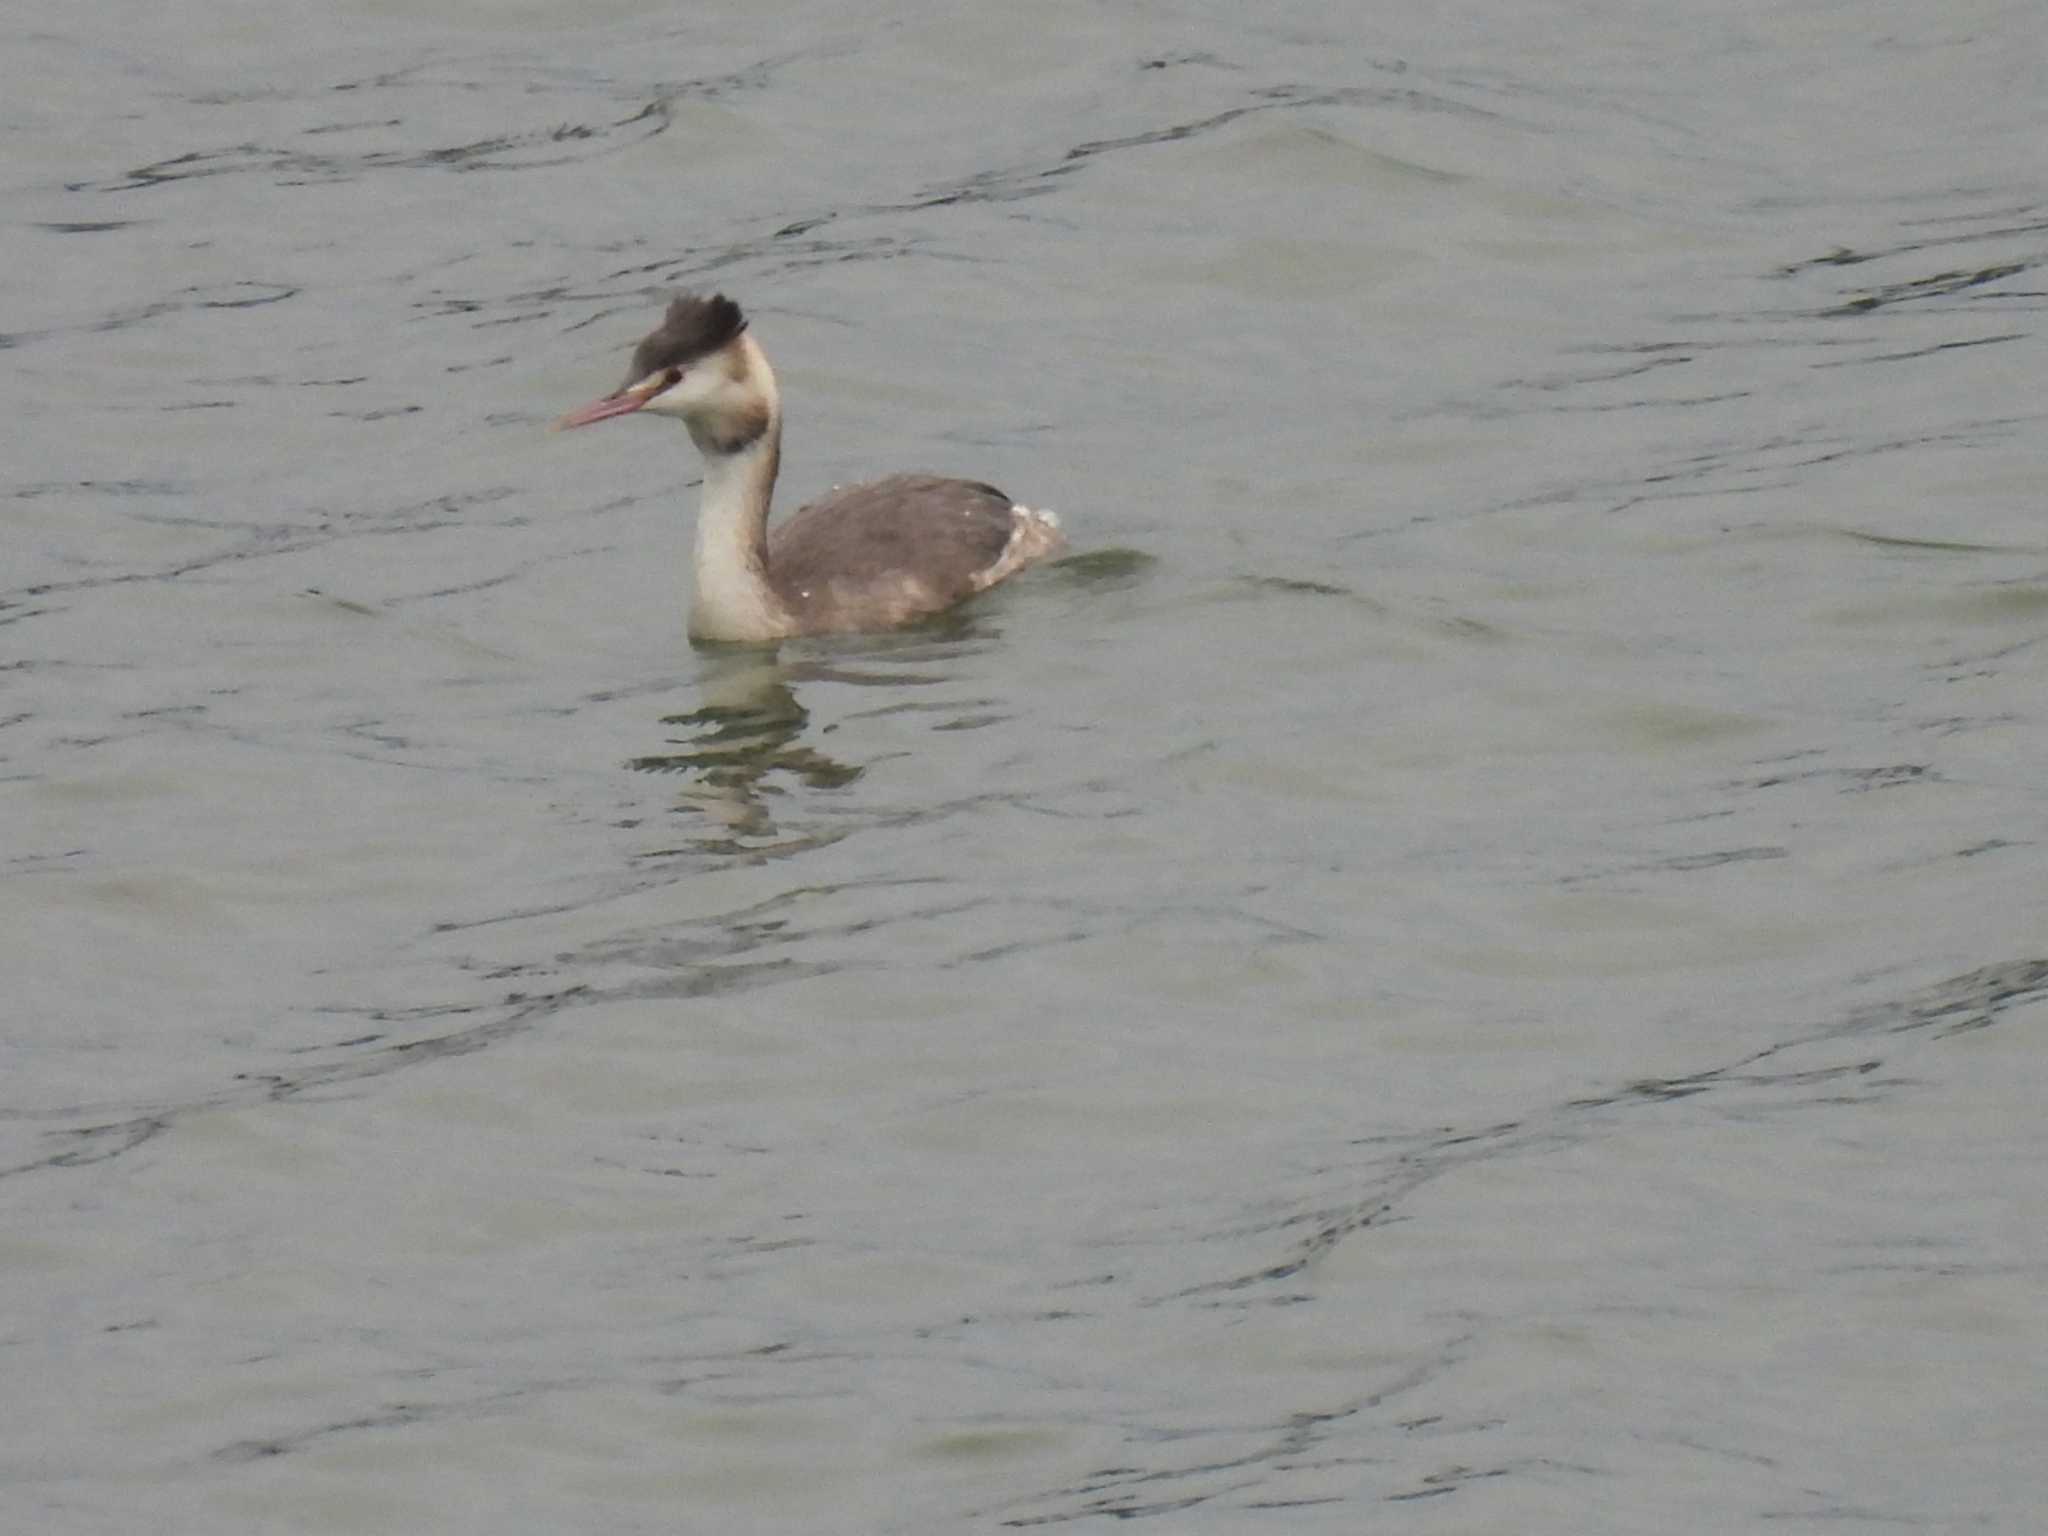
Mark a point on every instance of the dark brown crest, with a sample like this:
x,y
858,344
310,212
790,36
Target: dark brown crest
x,y
693,328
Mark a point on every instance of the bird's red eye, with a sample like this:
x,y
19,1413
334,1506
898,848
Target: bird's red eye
x,y
672,378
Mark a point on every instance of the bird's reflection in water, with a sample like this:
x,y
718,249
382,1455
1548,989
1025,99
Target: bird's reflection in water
x,y
750,741
730,749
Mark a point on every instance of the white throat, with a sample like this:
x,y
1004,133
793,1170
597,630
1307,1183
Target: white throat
x,y
733,599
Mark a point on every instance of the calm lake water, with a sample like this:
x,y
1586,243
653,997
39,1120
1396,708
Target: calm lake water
x,y
1475,961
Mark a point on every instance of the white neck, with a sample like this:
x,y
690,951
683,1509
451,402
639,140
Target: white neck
x,y
733,599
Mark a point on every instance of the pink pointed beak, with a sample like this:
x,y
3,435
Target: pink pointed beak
x,y
624,401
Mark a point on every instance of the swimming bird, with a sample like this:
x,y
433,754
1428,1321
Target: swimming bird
x,y
872,556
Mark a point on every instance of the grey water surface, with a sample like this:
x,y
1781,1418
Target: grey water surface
x,y
1475,961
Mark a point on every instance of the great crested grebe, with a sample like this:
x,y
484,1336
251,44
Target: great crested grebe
x,y
870,556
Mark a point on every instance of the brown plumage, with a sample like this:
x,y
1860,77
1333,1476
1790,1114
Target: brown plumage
x,y
692,329
876,555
